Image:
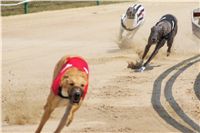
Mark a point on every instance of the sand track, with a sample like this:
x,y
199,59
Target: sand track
x,y
169,97
119,99
196,86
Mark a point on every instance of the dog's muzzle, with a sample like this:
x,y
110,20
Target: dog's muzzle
x,y
154,40
131,16
76,95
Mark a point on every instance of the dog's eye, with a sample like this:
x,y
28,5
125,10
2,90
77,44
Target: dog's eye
x,y
65,77
71,84
82,85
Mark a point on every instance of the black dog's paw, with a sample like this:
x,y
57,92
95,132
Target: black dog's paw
x,y
141,69
168,54
136,65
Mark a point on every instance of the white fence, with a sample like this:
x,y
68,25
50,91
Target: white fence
x,y
24,2
15,4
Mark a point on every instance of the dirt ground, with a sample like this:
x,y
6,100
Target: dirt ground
x,y
164,98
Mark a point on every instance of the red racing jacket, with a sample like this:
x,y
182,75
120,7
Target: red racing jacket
x,y
76,62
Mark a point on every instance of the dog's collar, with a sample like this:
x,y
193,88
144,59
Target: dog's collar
x,y
60,93
125,26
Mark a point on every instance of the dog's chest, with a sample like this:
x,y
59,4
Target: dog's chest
x,y
129,23
63,102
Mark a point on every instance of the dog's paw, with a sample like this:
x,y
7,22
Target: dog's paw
x,y
141,69
68,122
168,54
136,65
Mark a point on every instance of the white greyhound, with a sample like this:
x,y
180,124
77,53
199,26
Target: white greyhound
x,y
131,21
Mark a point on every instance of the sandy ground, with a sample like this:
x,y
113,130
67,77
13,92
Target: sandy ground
x,y
163,99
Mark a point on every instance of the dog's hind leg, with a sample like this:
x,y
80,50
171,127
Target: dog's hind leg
x,y
169,45
45,117
158,46
170,41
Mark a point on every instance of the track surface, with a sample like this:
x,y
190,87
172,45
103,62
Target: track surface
x,y
164,99
169,97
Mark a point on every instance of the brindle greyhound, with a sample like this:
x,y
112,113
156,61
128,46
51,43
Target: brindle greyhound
x,y
164,30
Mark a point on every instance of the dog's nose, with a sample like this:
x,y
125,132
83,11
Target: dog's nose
x,y
76,96
153,39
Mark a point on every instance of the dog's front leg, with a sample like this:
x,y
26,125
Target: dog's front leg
x,y
65,118
120,33
47,112
51,104
158,46
146,51
68,116
132,33
71,115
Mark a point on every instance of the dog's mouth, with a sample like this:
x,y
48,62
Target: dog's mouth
x,y
154,41
76,95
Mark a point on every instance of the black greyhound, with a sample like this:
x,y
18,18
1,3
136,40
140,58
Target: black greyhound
x,y
164,30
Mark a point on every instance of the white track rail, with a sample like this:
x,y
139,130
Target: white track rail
x,y
15,4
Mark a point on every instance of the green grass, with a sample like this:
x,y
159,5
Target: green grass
x,y
38,6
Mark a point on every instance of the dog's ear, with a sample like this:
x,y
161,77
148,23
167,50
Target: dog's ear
x,y
59,66
128,11
64,80
152,31
153,28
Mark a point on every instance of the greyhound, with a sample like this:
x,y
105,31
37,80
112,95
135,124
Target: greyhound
x,y
69,87
131,20
164,31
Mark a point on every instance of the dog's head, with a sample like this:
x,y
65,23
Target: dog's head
x,y
156,34
130,13
72,84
